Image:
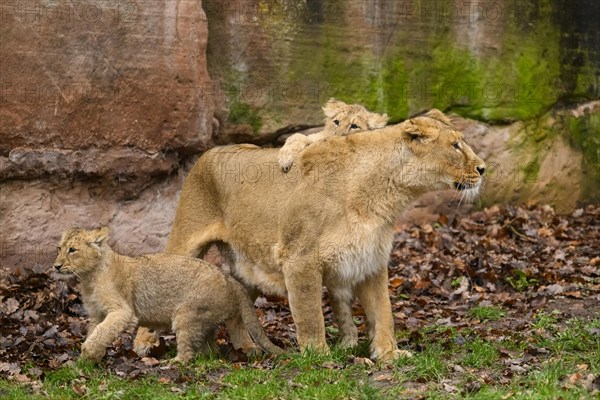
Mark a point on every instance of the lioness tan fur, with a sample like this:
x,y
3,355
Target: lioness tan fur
x,y
158,291
341,119
328,221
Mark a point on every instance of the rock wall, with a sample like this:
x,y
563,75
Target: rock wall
x,y
100,103
105,105
517,67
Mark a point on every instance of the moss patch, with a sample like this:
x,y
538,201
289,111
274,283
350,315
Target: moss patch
x,y
585,135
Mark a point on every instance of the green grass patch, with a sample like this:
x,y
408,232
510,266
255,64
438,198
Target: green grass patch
x,y
480,354
468,361
486,313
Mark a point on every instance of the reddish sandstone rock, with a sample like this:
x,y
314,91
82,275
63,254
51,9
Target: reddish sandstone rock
x,y
105,75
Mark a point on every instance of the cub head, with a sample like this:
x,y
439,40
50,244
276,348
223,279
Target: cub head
x,y
343,119
442,156
80,251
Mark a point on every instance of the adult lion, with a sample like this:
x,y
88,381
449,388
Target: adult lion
x,y
328,221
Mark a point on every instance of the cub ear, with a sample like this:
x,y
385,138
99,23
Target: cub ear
x,y
332,107
438,115
99,235
376,121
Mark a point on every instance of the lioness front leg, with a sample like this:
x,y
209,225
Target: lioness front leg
x,y
304,294
374,297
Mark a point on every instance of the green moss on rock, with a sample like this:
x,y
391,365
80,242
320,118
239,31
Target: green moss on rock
x,y
585,136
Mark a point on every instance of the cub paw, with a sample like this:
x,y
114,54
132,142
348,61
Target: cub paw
x,y
144,342
91,352
285,162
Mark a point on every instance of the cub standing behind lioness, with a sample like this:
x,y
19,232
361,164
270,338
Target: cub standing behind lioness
x,y
158,291
341,119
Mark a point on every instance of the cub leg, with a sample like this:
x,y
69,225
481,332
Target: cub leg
x,y
191,327
341,303
145,340
304,287
290,150
94,321
293,147
374,297
105,333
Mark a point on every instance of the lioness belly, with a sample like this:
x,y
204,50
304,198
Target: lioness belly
x,y
267,278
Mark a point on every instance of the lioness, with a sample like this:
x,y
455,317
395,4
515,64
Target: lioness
x,y
158,291
341,119
329,221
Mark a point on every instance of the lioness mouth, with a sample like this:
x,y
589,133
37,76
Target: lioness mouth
x,y
463,186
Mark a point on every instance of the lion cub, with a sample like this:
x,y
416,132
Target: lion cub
x,y
158,291
341,119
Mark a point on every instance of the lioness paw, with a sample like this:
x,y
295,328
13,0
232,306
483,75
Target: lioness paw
x,y
392,355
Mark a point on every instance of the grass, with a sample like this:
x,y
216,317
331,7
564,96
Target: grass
x,y
475,367
486,313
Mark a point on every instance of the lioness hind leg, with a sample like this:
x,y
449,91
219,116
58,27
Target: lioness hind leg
x,y
341,303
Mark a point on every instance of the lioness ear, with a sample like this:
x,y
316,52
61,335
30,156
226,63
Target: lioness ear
x,y
99,235
438,115
332,107
415,134
377,121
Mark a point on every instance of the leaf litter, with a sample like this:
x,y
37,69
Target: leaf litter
x,y
524,259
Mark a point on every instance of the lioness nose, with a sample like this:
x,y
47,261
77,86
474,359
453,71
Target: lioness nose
x,y
58,266
481,170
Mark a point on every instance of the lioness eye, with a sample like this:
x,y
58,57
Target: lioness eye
x,y
353,126
456,145
72,250
336,122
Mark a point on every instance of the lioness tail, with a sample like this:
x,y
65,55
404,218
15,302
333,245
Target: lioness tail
x,y
251,320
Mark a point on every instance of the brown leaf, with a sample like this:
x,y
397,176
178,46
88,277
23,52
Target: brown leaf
x,y
545,232
574,378
382,377
576,294
9,306
80,390
150,361
396,281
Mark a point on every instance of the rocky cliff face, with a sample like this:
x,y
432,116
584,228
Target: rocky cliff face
x,y
100,103
520,68
104,105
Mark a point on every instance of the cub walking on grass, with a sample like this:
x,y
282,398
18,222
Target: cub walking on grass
x,y
157,291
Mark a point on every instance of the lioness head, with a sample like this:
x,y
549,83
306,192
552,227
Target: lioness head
x,y
80,251
442,156
343,119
